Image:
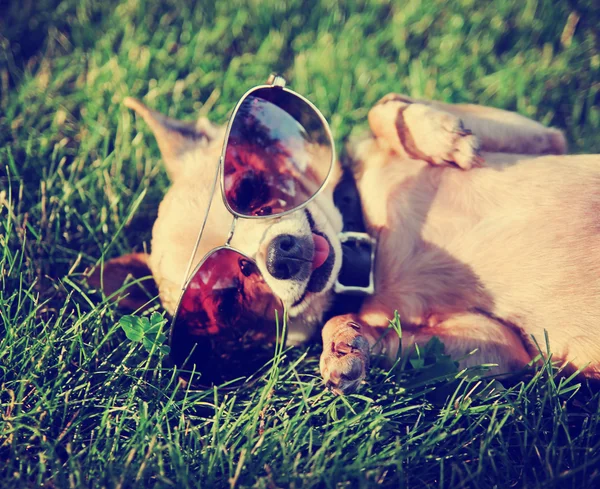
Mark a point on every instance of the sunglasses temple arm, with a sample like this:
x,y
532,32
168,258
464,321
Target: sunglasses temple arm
x,y
212,194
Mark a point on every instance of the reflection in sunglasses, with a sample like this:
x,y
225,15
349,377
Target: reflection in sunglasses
x,y
226,317
268,160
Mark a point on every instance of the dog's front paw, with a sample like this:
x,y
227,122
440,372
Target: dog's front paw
x,y
345,358
439,137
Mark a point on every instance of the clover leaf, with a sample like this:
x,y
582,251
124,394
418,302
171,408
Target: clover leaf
x,y
147,331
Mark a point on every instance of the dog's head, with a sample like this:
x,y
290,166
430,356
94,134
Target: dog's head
x,y
299,255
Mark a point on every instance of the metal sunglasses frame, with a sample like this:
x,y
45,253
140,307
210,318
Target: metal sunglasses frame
x,y
274,82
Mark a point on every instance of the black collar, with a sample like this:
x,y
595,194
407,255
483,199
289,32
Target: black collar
x,y
356,277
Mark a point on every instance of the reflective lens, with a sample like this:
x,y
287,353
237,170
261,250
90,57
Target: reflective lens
x,y
278,154
225,324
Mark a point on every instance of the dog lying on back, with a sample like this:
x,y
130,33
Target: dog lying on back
x,y
482,241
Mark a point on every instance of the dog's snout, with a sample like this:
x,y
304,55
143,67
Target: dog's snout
x,y
288,257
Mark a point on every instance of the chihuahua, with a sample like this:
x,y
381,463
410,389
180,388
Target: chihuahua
x,y
487,237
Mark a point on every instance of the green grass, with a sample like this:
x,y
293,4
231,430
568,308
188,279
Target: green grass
x,y
80,178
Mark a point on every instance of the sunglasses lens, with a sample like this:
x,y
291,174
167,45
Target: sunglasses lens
x,y
225,325
278,154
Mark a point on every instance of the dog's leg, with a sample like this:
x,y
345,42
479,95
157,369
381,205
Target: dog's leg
x,y
444,134
348,342
347,345
501,131
491,341
418,131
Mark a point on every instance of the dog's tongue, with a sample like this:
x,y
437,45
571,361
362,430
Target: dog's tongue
x,y
321,251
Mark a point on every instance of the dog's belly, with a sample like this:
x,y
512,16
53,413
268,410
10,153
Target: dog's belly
x,y
521,244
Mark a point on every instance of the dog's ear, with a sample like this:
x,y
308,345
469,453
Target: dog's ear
x,y
175,138
127,280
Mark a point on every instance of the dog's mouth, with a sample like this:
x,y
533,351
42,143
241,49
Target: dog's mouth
x,y
322,263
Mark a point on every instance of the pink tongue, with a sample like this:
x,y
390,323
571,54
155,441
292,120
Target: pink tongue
x,y
321,251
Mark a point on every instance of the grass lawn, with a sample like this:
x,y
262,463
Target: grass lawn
x,y
81,178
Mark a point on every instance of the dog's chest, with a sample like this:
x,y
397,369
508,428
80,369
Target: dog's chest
x,y
417,222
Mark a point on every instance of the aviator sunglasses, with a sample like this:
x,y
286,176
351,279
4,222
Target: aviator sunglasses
x,y
277,156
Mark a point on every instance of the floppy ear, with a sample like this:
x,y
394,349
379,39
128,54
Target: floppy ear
x,y
175,138
127,280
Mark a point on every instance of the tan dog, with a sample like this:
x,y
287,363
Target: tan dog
x,y
481,241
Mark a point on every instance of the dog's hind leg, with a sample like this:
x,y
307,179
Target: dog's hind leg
x,y
443,133
473,339
469,337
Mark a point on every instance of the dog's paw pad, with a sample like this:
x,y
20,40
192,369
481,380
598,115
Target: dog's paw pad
x,y
345,357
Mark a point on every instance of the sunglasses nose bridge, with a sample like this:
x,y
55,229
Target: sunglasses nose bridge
x,y
231,231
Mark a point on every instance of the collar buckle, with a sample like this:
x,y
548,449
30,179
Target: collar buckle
x,y
357,239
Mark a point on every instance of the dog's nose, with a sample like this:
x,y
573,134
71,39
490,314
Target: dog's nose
x,y
287,258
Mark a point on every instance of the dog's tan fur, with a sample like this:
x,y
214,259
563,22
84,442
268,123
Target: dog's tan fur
x,y
481,241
